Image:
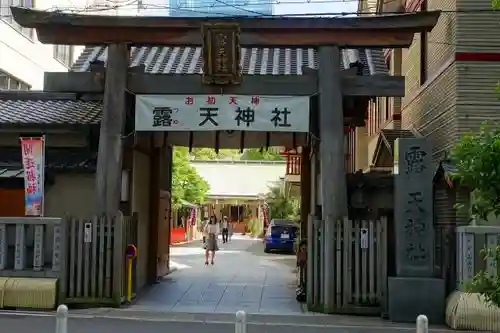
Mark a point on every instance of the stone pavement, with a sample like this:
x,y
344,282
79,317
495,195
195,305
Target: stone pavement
x,y
243,278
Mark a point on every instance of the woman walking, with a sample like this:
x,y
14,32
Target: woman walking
x,y
211,232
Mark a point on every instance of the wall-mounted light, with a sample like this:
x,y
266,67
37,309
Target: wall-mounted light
x,y
124,197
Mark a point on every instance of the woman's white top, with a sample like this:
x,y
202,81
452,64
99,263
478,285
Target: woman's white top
x,y
211,229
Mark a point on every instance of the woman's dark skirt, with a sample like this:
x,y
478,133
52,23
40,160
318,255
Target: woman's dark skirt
x,y
211,243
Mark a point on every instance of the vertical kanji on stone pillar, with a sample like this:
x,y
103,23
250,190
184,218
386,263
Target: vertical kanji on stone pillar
x,y
413,207
414,290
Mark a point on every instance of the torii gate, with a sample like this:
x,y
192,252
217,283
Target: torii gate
x,y
342,96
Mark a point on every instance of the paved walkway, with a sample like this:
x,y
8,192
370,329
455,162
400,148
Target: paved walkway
x,y
243,278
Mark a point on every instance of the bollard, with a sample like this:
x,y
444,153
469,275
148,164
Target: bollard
x,y
241,322
62,319
422,324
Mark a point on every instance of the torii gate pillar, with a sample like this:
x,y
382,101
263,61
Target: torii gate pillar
x,y
332,166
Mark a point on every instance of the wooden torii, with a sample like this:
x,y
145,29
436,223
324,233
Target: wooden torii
x,y
333,87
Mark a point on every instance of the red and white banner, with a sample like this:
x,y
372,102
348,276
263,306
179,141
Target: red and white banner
x,y
33,155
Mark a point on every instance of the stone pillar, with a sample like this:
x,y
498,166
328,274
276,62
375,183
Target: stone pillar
x,y
414,291
332,163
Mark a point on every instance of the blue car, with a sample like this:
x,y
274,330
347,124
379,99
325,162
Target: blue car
x,y
280,236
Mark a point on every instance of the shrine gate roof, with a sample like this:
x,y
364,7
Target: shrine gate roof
x,y
239,178
254,61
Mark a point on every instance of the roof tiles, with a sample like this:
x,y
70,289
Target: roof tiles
x,y
254,61
25,108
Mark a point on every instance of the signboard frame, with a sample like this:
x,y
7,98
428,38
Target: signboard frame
x,y
221,53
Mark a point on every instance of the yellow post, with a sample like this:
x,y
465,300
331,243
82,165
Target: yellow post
x,y
129,279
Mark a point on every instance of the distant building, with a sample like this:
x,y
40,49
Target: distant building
x,y
211,8
239,192
23,60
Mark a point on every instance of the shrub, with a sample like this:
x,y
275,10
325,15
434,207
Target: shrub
x,y
255,227
483,283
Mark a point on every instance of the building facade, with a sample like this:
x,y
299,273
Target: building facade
x,y
450,75
450,78
210,8
23,59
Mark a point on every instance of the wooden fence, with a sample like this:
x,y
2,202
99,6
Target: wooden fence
x,y
360,266
471,240
95,259
87,256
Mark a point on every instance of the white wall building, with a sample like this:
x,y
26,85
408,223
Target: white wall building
x,y
23,59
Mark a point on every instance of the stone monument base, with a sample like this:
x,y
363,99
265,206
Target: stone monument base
x,y
413,296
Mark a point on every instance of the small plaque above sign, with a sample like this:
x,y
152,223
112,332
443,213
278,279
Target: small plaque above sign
x,y
221,53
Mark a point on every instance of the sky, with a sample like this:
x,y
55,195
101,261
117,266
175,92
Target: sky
x,y
315,6
280,7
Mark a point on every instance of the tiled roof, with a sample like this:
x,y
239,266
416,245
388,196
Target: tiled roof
x,y
38,108
385,143
390,135
240,178
77,159
254,61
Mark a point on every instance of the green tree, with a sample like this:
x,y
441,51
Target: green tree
x,y
207,154
187,184
282,205
477,159
484,283
254,154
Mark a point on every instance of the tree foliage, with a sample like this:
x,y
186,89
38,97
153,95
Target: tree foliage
x,y
207,154
254,154
282,205
477,158
484,283
187,184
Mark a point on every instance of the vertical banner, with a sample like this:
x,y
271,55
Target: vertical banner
x,y
33,155
193,216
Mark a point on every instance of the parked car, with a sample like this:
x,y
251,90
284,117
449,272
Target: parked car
x,y
280,235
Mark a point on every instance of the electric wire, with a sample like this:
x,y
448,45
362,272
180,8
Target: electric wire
x,y
116,4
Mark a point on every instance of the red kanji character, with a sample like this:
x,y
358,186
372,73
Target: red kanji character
x,y
232,100
31,188
30,175
189,100
255,100
211,100
29,163
28,149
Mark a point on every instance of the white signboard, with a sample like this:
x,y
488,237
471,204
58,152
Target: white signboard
x,y
222,113
87,233
364,238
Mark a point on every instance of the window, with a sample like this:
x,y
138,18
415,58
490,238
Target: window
x,y
6,15
64,54
8,82
423,49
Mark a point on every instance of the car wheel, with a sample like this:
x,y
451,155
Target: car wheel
x,y
266,250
